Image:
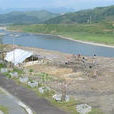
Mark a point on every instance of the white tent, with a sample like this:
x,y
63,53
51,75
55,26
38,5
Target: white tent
x,y
17,56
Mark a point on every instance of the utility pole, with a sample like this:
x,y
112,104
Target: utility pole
x,y
13,51
90,19
2,49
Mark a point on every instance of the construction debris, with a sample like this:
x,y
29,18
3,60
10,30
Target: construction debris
x,y
58,97
43,89
4,70
83,108
14,75
23,79
1,112
33,84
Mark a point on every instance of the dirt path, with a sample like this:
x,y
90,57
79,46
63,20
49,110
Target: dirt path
x,y
39,105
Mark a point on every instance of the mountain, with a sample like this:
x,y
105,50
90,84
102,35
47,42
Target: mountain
x,y
27,17
59,10
42,15
85,16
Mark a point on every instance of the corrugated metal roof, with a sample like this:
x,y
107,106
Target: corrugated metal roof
x,y
17,56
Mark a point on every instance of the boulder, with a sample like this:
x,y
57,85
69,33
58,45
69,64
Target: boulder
x,y
43,89
1,112
33,84
4,70
83,108
23,79
58,97
14,75
1,61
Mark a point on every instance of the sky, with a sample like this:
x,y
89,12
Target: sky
x,y
42,4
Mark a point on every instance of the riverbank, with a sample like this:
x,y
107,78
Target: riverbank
x,y
60,36
94,34
91,43
68,38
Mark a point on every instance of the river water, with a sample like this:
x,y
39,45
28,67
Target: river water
x,y
50,42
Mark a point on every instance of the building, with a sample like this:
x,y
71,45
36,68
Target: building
x,y
18,56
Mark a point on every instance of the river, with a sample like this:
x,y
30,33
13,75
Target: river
x,y
51,42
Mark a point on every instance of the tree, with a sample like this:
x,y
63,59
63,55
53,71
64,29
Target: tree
x,y
2,49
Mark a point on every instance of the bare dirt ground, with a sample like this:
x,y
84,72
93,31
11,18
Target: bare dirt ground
x,y
96,91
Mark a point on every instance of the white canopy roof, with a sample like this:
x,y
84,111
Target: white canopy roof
x,y
17,56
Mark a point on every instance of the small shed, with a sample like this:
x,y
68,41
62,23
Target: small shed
x,y
17,56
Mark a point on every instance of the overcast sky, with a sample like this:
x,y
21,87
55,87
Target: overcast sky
x,y
76,4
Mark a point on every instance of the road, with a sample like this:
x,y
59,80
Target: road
x,y
10,103
26,95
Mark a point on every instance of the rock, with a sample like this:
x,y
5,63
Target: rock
x,y
47,89
41,90
67,99
80,78
23,79
33,84
44,89
1,61
83,108
1,112
4,70
14,75
58,97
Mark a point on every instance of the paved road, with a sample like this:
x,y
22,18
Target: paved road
x,y
13,107
39,105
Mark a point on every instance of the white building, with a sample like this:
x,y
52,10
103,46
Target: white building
x,y
17,56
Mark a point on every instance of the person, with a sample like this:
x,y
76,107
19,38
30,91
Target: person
x,y
94,56
78,56
83,59
90,67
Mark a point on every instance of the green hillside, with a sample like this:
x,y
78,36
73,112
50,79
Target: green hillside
x,y
30,17
42,15
85,16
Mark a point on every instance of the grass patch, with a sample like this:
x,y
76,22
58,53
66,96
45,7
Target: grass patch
x,y
91,37
67,106
96,111
1,92
7,74
2,65
4,109
19,71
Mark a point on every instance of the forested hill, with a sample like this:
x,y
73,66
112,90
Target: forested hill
x,y
44,17
85,16
29,17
